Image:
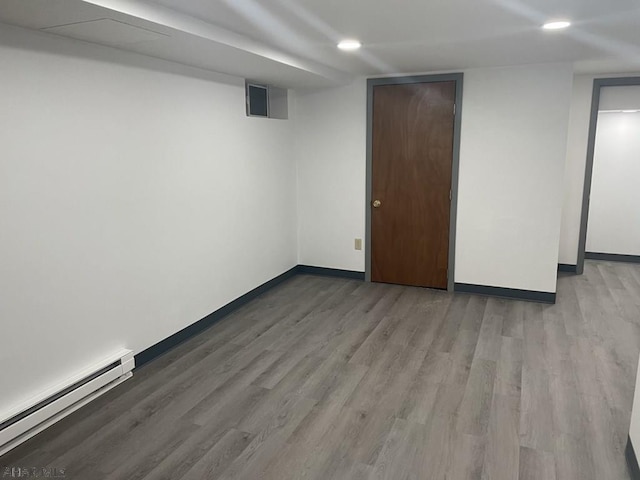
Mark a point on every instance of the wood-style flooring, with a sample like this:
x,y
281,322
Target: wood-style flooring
x,y
325,378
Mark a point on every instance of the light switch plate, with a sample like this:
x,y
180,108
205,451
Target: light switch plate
x,y
358,244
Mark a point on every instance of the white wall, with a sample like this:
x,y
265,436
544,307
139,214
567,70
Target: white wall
x,y
133,202
577,139
575,165
620,98
512,163
330,148
614,218
513,146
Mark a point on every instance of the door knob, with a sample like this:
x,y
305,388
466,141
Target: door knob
x,y
376,203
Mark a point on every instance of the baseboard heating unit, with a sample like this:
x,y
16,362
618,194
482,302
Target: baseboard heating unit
x,y
33,416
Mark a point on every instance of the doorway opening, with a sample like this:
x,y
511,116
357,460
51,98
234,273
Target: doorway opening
x,y
610,225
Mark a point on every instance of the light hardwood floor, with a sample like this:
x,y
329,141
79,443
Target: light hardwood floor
x,y
327,378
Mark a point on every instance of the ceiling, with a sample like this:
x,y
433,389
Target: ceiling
x,y
293,42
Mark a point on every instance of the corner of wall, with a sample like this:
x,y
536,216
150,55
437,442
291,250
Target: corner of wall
x,y
293,117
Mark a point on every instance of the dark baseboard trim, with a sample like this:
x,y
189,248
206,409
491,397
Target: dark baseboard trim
x,y
330,272
632,460
512,293
567,268
186,333
612,257
201,325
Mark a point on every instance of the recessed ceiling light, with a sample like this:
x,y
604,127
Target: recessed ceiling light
x,y
557,25
349,45
630,111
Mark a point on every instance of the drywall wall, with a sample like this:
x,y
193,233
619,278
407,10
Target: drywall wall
x,y
577,140
330,150
620,98
578,136
135,198
511,167
512,158
614,222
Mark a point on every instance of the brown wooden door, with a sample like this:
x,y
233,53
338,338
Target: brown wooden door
x,y
412,158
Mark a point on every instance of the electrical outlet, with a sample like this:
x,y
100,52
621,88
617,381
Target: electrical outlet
x,y
358,244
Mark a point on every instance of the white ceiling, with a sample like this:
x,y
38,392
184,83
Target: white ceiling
x,y
420,35
292,42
